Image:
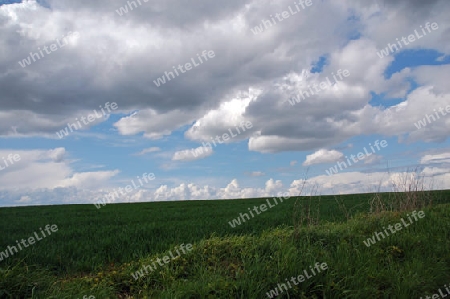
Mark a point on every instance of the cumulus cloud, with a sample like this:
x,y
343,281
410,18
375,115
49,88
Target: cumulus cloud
x,y
322,156
234,190
46,169
111,64
87,180
227,119
57,154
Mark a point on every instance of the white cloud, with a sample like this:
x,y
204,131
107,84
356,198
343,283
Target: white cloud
x,y
257,173
47,169
24,199
200,152
436,158
340,183
228,118
153,124
148,150
87,180
322,156
57,154
372,159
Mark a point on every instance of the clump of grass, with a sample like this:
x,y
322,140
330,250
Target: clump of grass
x,y
303,212
409,192
24,281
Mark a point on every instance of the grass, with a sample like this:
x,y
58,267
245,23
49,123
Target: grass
x,y
95,251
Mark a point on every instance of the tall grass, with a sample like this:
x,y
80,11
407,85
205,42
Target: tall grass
x,y
409,192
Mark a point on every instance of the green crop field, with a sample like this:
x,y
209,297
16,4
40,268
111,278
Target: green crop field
x,y
95,251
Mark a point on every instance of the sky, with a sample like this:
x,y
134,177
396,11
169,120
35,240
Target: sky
x,y
196,100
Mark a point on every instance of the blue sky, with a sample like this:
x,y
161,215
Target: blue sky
x,y
110,58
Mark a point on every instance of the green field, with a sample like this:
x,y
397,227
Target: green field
x,y
95,251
